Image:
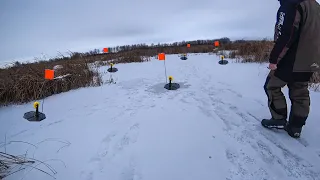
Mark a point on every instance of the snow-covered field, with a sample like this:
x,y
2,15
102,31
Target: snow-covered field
x,y
137,130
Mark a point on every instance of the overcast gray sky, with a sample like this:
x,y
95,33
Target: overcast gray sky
x,y
29,28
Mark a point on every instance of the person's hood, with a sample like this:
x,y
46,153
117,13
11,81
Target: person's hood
x,y
290,1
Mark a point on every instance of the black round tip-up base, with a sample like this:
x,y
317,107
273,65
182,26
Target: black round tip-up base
x,y
183,58
223,62
112,70
174,86
31,116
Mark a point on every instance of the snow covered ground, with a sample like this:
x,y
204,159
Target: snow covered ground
x,y
137,130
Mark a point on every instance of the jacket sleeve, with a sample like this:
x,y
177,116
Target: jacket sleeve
x,y
286,32
276,31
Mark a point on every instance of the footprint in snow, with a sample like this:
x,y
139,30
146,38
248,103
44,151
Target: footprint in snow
x,y
183,100
129,138
226,118
130,173
224,84
56,122
263,104
292,164
243,137
244,166
216,101
90,176
265,152
236,93
253,116
205,111
104,148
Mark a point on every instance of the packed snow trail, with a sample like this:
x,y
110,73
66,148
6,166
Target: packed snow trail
x,y
137,130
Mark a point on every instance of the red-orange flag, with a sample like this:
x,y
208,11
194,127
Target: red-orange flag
x,y
216,43
49,74
161,56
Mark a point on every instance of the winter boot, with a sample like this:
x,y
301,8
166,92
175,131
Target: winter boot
x,y
274,123
293,131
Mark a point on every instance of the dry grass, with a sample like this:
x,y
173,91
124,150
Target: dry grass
x,y
11,164
315,81
8,164
24,82
250,51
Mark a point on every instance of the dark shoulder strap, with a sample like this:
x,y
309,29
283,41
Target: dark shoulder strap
x,y
300,9
301,14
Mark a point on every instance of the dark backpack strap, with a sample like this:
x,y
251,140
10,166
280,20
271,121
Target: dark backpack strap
x,y
299,8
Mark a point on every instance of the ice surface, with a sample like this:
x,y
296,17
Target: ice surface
x,y
136,130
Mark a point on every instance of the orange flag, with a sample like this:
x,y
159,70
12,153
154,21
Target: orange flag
x,y
216,43
49,74
162,56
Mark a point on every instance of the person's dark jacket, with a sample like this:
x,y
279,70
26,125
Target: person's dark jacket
x,y
297,40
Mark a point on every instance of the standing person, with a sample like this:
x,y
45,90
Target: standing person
x,y
293,60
